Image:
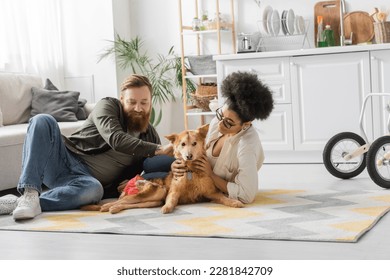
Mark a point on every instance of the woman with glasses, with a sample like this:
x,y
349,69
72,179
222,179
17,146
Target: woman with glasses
x,y
234,152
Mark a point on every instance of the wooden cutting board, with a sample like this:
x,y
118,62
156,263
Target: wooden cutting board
x,y
330,11
362,26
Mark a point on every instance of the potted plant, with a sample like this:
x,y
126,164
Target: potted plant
x,y
164,72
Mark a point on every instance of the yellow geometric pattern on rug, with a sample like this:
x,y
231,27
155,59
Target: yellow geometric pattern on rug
x,y
264,199
68,221
371,211
278,214
384,198
353,226
361,225
208,225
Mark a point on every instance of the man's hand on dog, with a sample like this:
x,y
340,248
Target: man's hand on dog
x,y
164,150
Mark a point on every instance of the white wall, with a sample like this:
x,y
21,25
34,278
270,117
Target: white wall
x,y
88,24
157,22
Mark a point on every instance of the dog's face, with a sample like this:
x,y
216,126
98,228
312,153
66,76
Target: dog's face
x,y
189,144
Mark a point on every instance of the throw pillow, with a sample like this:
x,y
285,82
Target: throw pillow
x,y
81,113
62,105
49,85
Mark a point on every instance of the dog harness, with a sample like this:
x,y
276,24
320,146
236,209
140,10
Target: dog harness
x,y
131,187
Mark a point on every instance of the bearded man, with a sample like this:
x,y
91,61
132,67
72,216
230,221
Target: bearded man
x,y
115,140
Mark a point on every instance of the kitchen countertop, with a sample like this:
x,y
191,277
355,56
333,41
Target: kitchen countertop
x,y
301,52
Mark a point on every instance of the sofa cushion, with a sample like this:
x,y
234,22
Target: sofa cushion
x,y
15,96
81,113
62,105
14,134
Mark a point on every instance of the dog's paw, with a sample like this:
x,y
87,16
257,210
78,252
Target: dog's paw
x,y
166,209
114,209
237,204
104,208
91,207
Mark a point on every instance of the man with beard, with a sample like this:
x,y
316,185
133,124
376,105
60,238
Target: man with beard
x,y
115,140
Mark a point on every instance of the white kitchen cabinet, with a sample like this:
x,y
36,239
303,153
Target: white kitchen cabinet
x,y
318,93
380,75
276,132
327,93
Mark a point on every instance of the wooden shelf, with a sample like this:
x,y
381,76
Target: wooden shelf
x,y
200,76
186,30
204,32
195,112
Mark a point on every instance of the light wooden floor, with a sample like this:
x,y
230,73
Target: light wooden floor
x,y
374,245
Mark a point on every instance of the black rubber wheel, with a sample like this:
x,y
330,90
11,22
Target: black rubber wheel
x,y
335,150
378,161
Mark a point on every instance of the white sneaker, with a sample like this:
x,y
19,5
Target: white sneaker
x,y
28,205
8,204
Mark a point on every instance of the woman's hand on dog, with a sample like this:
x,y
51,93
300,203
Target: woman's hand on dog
x,y
202,164
178,168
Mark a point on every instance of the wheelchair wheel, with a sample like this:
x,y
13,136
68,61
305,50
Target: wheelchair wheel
x,y
378,161
337,147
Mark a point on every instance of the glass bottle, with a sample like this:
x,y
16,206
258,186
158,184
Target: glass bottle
x,y
329,36
196,22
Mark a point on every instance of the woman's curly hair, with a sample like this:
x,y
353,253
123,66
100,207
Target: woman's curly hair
x,y
247,96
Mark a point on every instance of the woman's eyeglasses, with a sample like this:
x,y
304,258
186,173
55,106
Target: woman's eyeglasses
x,y
226,122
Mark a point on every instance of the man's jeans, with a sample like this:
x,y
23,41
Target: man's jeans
x,y
157,166
46,160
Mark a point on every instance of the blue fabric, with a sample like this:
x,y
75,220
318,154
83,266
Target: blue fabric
x,y
46,160
157,167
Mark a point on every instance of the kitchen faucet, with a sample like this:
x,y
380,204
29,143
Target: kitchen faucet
x,y
342,11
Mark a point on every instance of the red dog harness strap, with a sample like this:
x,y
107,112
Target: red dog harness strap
x,y
131,187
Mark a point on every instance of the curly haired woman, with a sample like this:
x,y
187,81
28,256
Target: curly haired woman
x,y
234,152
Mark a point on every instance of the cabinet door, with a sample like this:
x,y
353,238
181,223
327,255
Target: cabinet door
x,y
275,72
327,93
276,132
380,80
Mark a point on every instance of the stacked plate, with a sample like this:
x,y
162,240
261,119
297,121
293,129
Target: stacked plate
x,y
288,22
271,21
300,24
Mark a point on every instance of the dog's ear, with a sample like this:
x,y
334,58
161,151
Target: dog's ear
x,y
171,137
203,130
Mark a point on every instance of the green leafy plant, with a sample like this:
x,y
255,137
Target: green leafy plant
x,y
129,54
164,72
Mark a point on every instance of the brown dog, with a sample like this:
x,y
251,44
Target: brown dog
x,y
190,188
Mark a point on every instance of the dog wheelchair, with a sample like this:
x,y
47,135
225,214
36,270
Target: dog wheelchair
x,y
347,154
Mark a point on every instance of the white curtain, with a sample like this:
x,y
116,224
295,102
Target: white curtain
x,y
30,38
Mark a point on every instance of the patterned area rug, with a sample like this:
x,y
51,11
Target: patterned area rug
x,y
276,214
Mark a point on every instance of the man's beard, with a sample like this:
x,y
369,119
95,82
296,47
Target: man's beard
x,y
137,121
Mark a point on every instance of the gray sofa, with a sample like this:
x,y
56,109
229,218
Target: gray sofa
x,y
18,94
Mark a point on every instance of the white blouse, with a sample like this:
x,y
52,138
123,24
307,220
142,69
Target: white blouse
x,y
239,161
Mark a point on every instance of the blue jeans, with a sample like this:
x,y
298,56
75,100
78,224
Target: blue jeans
x,y
157,167
46,160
